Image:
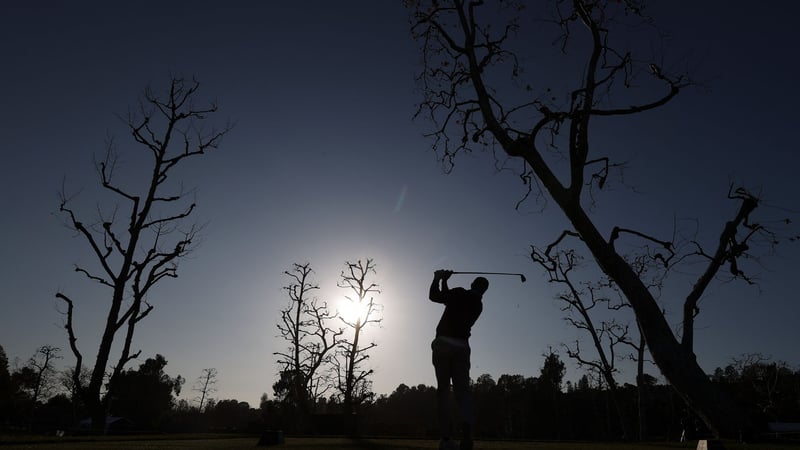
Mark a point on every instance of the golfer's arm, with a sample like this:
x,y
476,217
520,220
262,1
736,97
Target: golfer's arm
x,y
435,294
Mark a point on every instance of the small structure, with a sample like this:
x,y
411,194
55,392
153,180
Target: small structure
x,y
704,444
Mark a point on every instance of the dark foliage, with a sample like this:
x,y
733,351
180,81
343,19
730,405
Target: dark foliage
x,y
769,391
511,407
5,388
144,395
518,407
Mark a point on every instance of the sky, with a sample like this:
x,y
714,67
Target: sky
x,y
325,165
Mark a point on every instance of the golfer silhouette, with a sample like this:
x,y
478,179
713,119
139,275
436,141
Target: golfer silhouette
x,y
451,353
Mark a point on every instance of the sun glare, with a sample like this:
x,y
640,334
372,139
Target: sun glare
x,y
350,310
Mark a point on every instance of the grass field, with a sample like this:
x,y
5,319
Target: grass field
x,y
177,442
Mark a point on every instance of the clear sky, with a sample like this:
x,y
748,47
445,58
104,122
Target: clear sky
x,y
325,165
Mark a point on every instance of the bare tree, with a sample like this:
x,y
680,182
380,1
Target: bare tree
x,y
580,301
41,363
469,57
138,240
765,379
205,385
600,302
39,376
353,383
305,325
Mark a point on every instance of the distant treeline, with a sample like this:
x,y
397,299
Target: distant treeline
x,y
512,406
518,407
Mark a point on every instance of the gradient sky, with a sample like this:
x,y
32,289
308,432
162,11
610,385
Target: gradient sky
x,y
325,165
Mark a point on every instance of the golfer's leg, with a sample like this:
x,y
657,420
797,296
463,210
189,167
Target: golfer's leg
x,y
442,364
462,391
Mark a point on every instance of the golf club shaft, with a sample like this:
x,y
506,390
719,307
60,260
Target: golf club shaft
x,y
521,276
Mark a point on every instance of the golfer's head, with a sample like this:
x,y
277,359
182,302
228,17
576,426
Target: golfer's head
x,y
480,285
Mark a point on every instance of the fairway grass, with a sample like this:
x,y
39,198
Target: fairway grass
x,y
233,443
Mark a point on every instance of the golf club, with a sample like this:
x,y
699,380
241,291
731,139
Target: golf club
x,y
521,276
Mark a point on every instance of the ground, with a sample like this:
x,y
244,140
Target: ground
x,y
233,443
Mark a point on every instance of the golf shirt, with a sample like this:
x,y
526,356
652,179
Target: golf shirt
x,y
462,309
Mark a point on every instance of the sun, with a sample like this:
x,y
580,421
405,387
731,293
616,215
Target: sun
x,y
351,310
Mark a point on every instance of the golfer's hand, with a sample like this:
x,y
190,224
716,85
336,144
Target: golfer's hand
x,y
442,274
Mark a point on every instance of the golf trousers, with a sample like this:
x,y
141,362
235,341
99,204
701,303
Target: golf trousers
x,y
451,363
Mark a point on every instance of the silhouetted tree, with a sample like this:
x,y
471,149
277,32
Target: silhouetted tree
x,y
511,389
305,325
139,240
550,381
489,414
404,412
232,415
44,371
23,382
470,54
38,377
272,414
552,371
770,390
5,388
205,385
144,394
353,383
580,300
31,384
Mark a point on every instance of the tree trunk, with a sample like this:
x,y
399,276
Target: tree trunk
x,y
641,387
718,411
624,423
349,403
96,405
97,413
